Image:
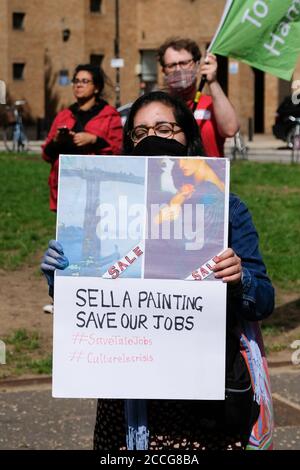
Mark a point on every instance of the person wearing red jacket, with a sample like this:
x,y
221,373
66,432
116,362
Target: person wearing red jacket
x,y
89,126
215,115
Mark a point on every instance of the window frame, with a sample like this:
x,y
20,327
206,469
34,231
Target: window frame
x,y
97,11
16,25
97,64
22,68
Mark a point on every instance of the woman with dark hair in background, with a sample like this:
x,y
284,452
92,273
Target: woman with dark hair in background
x,y
89,126
161,125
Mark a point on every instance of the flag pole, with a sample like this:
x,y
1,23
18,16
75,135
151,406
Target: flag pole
x,y
203,78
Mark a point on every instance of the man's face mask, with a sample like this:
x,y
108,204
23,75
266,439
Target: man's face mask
x,y
156,146
181,80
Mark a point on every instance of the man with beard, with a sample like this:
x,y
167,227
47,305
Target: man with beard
x,y
215,115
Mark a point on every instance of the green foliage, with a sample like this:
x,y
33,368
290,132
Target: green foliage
x,y
270,190
272,193
39,366
26,365
274,348
271,330
25,355
26,223
22,340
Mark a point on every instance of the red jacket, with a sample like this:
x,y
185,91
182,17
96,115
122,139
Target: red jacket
x,y
106,125
212,141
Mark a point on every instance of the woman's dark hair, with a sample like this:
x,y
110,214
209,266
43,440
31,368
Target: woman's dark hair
x,y
183,116
99,77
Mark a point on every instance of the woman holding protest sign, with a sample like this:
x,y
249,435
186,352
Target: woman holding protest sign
x,y
159,124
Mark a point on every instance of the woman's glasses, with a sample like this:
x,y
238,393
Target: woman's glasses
x,y
161,129
83,81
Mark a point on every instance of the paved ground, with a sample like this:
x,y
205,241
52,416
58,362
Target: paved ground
x,y
31,419
264,148
286,395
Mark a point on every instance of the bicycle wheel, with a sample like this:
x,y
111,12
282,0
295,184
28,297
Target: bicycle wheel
x,y
233,152
290,138
9,139
23,143
239,148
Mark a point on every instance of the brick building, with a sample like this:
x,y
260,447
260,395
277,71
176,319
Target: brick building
x,y
41,42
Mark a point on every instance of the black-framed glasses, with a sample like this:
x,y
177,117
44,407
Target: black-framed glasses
x,y
78,81
160,129
183,64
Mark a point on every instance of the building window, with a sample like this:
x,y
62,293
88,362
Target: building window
x,y
96,59
63,77
95,6
18,71
148,75
18,20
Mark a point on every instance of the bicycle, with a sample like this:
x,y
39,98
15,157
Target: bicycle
x,y
239,147
295,139
14,135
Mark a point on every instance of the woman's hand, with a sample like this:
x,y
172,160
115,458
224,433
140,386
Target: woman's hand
x,y
172,211
228,267
83,138
54,258
186,190
62,135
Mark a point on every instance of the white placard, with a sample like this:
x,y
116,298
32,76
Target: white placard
x,y
120,339
138,312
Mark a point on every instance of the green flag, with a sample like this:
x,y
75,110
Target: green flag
x,y
263,33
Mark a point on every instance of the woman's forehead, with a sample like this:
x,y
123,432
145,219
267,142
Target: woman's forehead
x,y
83,73
155,111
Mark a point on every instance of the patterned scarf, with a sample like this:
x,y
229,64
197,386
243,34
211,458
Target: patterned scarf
x,y
137,433
252,349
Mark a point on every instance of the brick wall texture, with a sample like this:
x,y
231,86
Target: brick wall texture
x,y
144,25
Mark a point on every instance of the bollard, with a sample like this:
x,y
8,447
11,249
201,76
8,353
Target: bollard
x,y
2,92
2,352
250,129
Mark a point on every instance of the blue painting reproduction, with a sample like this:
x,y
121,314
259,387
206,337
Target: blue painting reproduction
x,y
101,213
186,215
141,217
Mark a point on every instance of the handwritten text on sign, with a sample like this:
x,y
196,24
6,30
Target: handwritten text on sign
x,y
142,339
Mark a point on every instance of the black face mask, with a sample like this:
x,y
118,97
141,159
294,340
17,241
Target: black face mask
x,y
156,146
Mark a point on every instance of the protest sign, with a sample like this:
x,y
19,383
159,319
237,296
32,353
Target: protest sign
x,y
262,33
131,318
